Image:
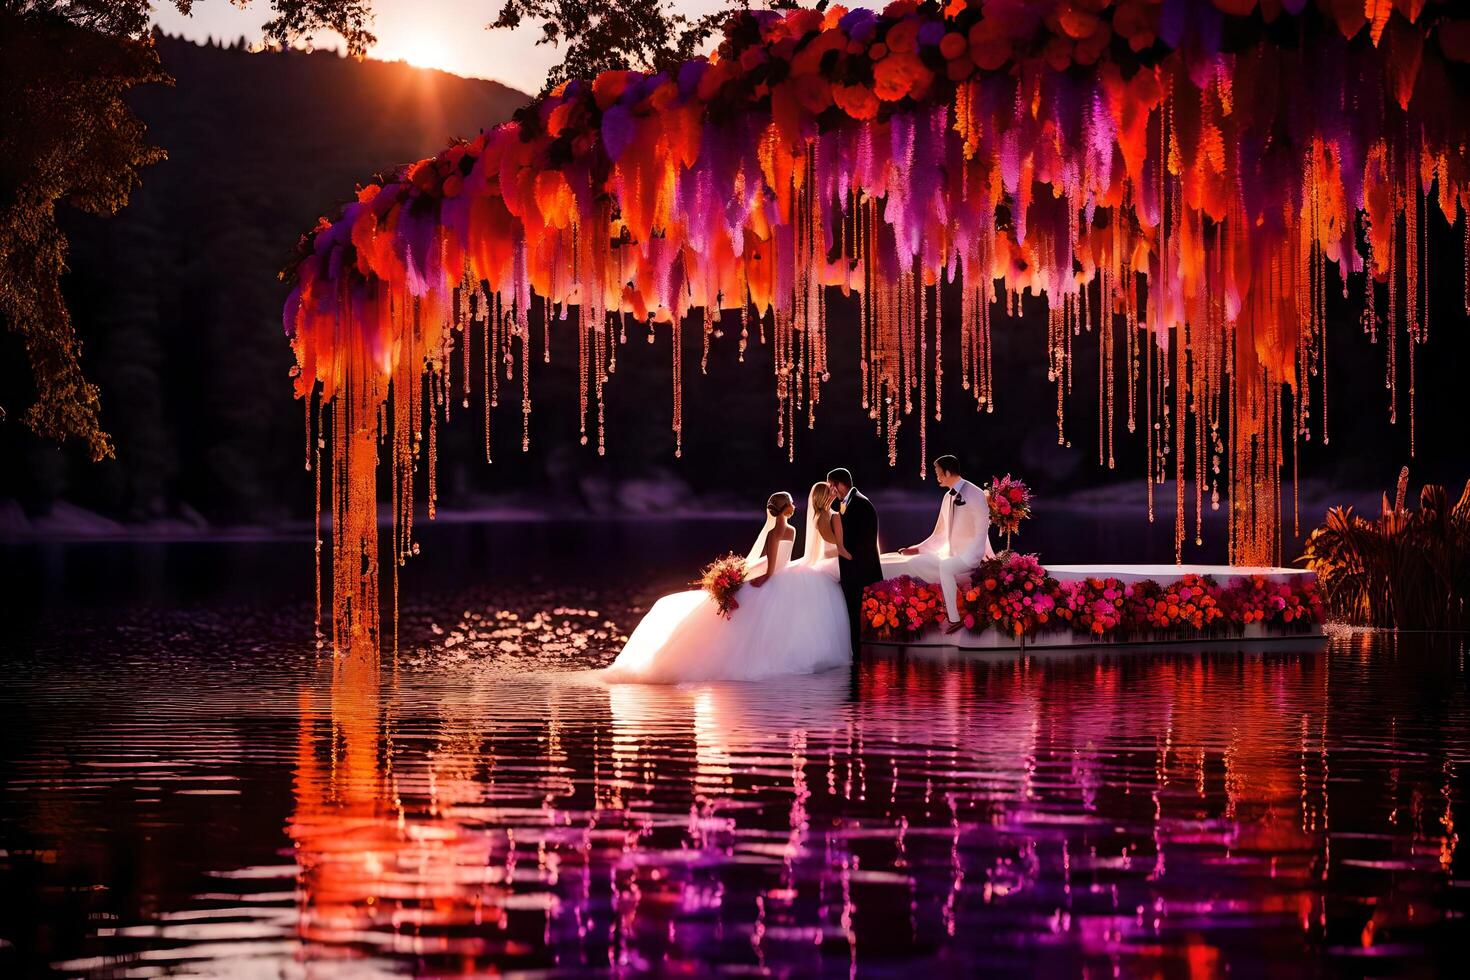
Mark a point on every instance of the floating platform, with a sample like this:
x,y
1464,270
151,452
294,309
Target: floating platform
x,y
1253,637
1222,574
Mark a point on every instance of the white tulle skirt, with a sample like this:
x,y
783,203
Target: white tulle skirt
x,y
794,624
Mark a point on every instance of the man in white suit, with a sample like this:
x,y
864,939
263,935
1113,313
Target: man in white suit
x,y
961,538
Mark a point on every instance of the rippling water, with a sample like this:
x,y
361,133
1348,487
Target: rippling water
x,y
190,787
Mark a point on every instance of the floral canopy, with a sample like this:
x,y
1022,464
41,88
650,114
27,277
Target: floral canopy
x,y
1172,176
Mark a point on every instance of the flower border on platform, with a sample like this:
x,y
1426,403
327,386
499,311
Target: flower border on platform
x,y
1013,595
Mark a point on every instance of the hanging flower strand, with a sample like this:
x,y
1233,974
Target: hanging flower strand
x,y
1170,171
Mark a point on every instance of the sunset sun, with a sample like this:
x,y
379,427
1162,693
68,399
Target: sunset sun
x,y
421,49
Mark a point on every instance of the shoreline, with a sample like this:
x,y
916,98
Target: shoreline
x,y
71,524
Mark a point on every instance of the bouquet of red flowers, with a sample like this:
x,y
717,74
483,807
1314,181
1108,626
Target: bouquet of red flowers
x,y
1010,504
1250,599
1095,606
1011,592
900,608
1302,605
1192,602
1256,599
1139,604
722,578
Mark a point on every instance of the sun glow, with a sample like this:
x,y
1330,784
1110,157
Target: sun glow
x,y
421,49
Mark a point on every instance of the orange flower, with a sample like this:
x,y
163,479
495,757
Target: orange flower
x,y
903,36
1138,21
608,86
898,75
813,92
1057,54
990,48
858,101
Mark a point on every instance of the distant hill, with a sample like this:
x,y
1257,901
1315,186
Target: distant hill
x,y
177,299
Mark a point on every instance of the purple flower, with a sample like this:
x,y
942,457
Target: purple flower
x,y
617,130
859,24
689,75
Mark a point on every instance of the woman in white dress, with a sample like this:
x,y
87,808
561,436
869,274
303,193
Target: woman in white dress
x,y
791,619
823,530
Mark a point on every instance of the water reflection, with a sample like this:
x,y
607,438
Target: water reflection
x,y
1172,813
1125,810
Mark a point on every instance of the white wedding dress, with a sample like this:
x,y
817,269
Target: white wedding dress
x,y
795,623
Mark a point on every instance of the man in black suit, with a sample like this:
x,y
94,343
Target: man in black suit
x,y
860,539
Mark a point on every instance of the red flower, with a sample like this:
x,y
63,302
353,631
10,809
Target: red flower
x,y
900,74
858,101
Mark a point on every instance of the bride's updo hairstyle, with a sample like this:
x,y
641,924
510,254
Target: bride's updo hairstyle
x,y
778,502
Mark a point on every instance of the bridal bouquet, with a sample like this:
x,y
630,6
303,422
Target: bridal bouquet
x,y
722,578
1010,504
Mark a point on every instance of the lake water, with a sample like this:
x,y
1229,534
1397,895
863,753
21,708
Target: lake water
x,y
189,786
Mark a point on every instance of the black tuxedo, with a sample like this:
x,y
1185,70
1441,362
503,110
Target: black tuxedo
x,y
860,538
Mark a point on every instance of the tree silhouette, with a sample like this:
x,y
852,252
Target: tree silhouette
x,y
68,137
647,35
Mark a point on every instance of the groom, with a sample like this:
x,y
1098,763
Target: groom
x,y
860,539
961,538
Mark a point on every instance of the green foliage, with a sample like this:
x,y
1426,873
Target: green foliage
x,y
68,137
65,136
1407,569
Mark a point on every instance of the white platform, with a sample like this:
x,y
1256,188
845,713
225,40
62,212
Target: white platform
x,y
1255,636
1163,574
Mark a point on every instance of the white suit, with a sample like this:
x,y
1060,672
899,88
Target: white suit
x,y
961,540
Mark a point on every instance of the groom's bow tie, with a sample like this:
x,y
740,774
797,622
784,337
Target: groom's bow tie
x,y
958,500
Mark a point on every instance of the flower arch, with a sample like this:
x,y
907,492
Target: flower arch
x,y
1172,176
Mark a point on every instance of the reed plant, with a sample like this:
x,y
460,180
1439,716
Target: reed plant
x,y
1405,569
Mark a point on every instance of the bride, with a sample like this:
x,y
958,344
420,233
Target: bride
x,y
791,618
